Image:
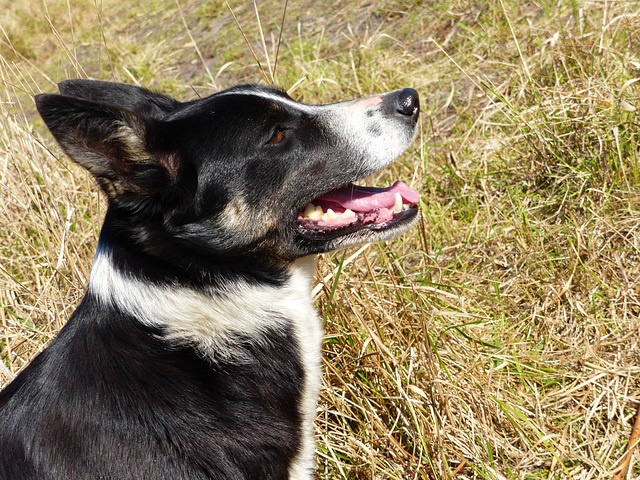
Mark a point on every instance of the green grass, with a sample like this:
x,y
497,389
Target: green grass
x,y
499,338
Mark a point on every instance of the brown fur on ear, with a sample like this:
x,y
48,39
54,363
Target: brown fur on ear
x,y
111,143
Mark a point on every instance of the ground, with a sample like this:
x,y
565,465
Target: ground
x,y
497,340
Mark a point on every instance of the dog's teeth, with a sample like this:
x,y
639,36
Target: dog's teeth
x,y
348,213
331,214
312,212
397,207
405,207
308,210
317,213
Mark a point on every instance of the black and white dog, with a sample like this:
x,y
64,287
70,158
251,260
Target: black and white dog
x,y
195,353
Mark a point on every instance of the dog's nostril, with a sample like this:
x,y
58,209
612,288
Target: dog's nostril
x,y
408,102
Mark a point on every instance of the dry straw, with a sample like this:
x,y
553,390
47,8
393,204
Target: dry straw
x,y
500,338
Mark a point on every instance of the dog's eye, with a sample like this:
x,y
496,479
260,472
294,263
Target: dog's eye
x,y
277,136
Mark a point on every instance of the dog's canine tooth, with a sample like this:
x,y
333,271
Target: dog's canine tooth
x,y
397,206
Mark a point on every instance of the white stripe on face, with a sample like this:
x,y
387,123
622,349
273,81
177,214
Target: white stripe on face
x,y
361,125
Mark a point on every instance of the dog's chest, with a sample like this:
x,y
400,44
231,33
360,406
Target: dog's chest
x,y
243,327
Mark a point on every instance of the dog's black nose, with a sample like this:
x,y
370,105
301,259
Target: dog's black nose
x,y
408,102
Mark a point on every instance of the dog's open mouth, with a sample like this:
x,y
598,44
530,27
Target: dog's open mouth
x,y
354,205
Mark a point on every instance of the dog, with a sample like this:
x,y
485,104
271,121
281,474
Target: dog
x,y
195,352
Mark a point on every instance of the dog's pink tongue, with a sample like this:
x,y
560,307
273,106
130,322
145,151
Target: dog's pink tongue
x,y
366,199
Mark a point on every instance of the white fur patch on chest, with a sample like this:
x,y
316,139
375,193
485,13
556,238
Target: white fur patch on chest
x,y
210,321
207,319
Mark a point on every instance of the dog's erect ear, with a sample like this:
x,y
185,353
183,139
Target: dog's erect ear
x,y
130,97
119,147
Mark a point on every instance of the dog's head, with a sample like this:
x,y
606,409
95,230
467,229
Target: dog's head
x,y
247,170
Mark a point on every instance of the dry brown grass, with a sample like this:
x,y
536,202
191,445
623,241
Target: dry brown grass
x,y
499,339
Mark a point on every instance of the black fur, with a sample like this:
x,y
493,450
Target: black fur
x,y
112,396
200,198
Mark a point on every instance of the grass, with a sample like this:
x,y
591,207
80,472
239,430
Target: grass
x,y
500,338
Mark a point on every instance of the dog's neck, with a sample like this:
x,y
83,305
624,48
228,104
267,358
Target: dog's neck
x,y
209,315
141,246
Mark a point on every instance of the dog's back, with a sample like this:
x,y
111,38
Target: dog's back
x,y
195,353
